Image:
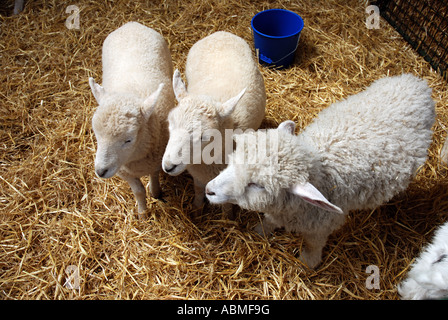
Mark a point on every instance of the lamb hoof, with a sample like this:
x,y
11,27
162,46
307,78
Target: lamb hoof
x,y
156,194
228,211
198,202
142,216
310,260
160,197
260,230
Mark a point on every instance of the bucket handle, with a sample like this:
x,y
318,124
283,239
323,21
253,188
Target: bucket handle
x,y
269,60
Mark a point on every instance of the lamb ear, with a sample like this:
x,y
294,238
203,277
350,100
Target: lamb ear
x,y
287,126
179,86
150,102
97,90
228,106
310,194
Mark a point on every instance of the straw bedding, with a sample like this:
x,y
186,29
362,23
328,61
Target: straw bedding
x,y
55,213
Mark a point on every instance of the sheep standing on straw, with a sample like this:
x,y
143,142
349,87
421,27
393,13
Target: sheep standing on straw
x,y
357,155
134,101
225,91
428,277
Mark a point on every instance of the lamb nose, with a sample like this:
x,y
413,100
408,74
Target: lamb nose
x,y
101,173
170,169
210,193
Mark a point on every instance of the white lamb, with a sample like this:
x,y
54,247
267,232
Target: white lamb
x,y
130,122
428,278
225,91
357,155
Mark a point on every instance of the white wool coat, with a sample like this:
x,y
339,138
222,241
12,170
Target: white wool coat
x,y
136,59
428,277
359,153
220,66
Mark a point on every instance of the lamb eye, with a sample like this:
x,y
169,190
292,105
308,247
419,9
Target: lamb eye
x,y
255,185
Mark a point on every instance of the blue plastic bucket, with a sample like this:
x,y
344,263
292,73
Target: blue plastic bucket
x,y
276,36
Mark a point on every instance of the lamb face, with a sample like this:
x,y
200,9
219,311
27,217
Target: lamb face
x,y
116,131
239,184
264,171
118,124
254,190
251,177
188,124
192,124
